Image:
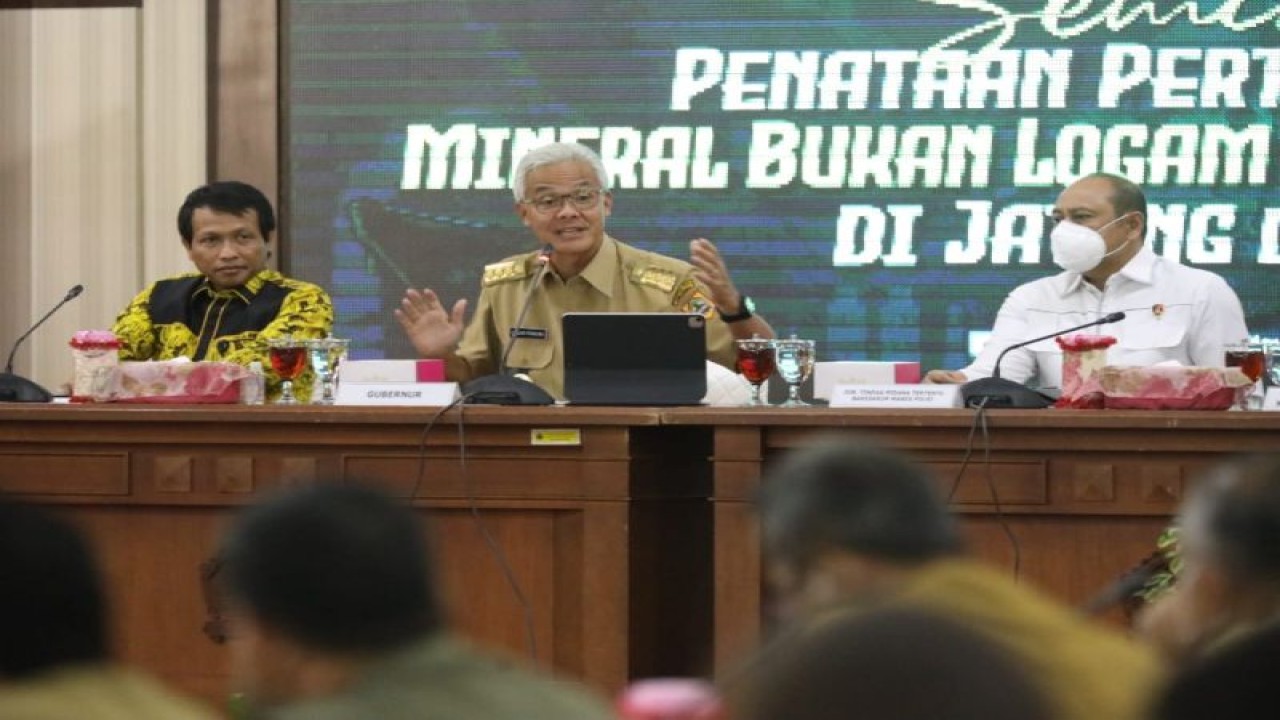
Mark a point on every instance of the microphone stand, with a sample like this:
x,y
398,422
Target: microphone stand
x,y
502,388
997,392
15,388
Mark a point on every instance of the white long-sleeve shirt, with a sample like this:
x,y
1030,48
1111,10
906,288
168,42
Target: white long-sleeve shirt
x,y
1172,312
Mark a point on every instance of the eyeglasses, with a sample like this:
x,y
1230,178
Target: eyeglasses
x,y
582,199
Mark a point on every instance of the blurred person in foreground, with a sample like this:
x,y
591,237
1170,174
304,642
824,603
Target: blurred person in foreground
x,y
333,614
849,526
1172,312
233,304
562,195
1228,587
1235,683
55,661
892,664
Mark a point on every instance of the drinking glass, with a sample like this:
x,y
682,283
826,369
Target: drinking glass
x,y
756,362
1271,372
1251,358
795,364
327,355
288,358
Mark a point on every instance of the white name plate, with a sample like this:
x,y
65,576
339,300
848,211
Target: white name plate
x,y
895,396
435,394
1271,401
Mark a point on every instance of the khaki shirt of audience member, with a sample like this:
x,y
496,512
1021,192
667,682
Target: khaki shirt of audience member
x,y
589,272
97,691
1087,670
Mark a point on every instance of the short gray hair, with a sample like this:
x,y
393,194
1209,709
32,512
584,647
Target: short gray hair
x,y
551,155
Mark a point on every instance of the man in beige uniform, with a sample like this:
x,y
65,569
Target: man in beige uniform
x,y
848,526
562,197
334,613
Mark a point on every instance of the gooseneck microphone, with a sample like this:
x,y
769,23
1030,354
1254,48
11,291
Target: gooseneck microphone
x,y
14,388
502,388
544,266
997,392
1125,586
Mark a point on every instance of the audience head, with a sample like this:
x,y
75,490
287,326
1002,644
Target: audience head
x,y
1234,684
842,518
1229,541
330,573
52,608
899,664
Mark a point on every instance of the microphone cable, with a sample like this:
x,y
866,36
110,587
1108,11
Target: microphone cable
x,y
526,608
508,574
980,421
979,408
995,497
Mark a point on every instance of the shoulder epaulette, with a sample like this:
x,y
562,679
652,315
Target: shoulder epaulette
x,y
654,276
504,272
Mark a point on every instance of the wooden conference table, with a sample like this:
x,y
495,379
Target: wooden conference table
x,y
627,533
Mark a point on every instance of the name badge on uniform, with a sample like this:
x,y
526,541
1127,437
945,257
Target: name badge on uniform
x,y
528,333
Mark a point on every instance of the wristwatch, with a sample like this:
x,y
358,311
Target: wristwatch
x,y
746,307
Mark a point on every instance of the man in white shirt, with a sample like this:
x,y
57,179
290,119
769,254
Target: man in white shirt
x,y
1172,312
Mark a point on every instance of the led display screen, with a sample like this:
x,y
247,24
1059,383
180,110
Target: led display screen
x,y
877,173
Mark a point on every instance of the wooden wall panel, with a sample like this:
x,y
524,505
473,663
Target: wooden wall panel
x,y
101,135
246,95
15,180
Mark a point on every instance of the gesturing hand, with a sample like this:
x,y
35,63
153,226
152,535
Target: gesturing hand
x,y
710,270
432,331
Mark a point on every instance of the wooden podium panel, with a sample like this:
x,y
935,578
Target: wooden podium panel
x,y
1083,494
634,543
572,517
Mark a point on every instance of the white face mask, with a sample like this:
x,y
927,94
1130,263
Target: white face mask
x,y
1080,249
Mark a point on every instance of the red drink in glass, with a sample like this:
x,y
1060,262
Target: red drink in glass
x,y
288,361
756,365
1251,362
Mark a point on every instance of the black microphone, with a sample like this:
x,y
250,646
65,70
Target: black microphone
x,y
996,392
19,389
1125,586
502,388
544,260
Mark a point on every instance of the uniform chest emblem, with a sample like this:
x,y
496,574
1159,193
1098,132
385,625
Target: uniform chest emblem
x,y
654,277
503,272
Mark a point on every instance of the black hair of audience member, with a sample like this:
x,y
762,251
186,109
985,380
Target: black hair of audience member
x,y
893,664
855,496
1240,503
337,567
1235,683
227,196
52,606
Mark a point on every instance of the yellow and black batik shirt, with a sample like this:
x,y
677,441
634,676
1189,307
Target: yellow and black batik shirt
x,y
185,316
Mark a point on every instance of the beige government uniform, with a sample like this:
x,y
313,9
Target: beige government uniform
x,y
443,678
99,690
1088,671
619,278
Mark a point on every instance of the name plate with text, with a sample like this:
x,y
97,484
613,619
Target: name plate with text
x,y
895,396
435,394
